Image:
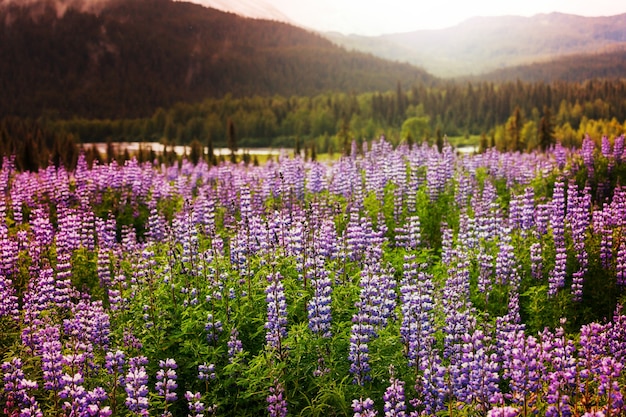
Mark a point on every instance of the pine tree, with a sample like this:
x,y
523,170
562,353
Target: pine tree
x,y
210,151
231,140
546,129
515,130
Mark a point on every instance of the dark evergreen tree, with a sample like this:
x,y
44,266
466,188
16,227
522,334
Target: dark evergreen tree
x,y
210,150
439,139
196,151
231,140
546,129
297,149
515,130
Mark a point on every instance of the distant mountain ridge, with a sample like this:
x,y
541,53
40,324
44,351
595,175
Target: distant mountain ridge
x,y
569,68
484,44
128,57
255,9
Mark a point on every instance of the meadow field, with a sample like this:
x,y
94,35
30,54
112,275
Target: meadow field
x,y
395,281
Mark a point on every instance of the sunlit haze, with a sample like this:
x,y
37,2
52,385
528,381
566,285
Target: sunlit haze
x,y
375,17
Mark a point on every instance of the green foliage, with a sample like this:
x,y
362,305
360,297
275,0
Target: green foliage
x,y
416,128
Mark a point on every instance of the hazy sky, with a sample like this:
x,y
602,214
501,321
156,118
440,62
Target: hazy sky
x,y
374,17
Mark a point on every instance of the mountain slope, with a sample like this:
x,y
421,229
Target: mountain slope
x,y
132,56
483,44
570,68
255,9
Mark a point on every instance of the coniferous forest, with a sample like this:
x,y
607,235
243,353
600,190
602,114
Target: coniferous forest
x,y
506,116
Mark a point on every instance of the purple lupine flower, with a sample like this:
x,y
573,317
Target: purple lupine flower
x,y
485,273
156,227
377,297
515,212
63,284
87,228
206,372
8,300
528,210
276,402
456,308
114,365
542,218
536,260
409,235
235,346
74,392
16,390
326,240
166,380
116,301
361,333
560,155
605,146
620,265
446,244
276,324
106,232
50,349
468,232
578,214
90,324
357,234
608,376
9,250
416,329
602,226
479,371
523,368
618,149
487,212
617,335
104,268
557,217
506,411
587,150
195,405
376,303
315,182
596,366
136,386
131,341
506,267
364,408
558,353
42,228
213,328
91,404
431,384
319,306
395,405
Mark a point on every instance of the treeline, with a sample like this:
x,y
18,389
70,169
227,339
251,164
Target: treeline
x,y
510,116
455,109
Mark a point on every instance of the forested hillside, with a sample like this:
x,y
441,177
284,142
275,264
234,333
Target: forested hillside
x,y
452,109
130,57
509,115
571,68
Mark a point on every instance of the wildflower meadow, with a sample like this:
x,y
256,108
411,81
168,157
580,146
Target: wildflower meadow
x,y
393,281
